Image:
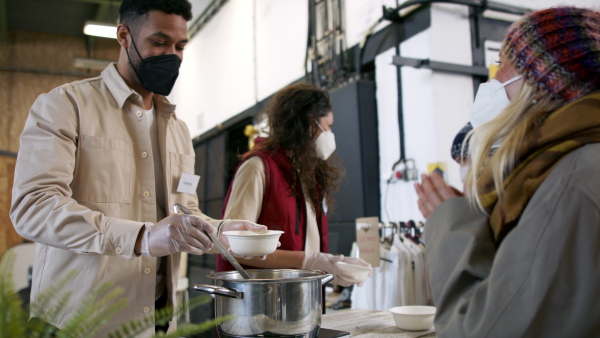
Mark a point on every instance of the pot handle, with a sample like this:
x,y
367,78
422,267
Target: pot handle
x,y
326,278
219,290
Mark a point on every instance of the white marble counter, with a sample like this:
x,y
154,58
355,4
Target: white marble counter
x,y
369,323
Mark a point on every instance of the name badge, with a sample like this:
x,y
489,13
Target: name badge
x,y
188,183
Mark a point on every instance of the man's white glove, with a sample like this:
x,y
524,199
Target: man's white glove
x,y
177,233
239,225
327,262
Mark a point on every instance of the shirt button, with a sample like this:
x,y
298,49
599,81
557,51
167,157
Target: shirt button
x,y
119,251
146,309
139,113
144,154
146,194
147,270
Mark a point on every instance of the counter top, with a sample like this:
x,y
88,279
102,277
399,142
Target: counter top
x,y
369,323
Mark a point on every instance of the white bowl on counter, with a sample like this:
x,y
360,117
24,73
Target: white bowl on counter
x,y
249,243
361,272
414,317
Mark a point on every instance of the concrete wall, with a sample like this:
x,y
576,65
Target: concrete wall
x,y
252,48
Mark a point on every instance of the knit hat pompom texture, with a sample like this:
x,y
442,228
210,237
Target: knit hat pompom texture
x,y
557,50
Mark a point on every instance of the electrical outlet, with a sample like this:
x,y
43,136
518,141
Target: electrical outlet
x,y
404,171
397,175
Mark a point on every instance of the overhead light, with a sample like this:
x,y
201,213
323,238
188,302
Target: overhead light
x,y
101,29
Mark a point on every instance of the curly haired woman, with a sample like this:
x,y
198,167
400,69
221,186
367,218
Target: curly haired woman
x,y
286,181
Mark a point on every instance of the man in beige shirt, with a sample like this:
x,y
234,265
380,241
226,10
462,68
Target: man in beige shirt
x,y
99,168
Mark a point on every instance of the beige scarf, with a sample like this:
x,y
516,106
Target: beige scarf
x,y
566,129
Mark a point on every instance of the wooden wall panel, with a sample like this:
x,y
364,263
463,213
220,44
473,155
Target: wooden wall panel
x,y
55,52
28,67
25,88
6,115
31,64
8,235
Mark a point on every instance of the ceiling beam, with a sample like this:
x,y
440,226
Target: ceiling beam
x,y
3,23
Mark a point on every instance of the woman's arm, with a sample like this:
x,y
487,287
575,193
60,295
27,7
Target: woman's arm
x,y
246,197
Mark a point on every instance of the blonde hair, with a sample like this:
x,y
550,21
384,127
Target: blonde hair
x,y
526,111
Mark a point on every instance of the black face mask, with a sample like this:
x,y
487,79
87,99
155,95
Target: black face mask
x,y
156,73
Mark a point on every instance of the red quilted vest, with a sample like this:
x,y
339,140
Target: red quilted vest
x,y
281,210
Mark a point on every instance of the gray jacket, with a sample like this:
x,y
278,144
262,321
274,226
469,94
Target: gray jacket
x,y
544,278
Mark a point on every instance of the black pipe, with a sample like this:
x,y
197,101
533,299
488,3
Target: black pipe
x,y
399,89
394,16
308,38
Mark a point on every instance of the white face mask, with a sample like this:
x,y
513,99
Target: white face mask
x,y
490,100
325,143
463,170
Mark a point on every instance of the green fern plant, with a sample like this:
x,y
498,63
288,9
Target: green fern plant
x,y
93,313
162,316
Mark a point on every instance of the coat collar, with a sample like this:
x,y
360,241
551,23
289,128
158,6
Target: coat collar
x,y
122,92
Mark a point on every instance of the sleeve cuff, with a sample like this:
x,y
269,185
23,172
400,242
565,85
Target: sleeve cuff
x,y
120,238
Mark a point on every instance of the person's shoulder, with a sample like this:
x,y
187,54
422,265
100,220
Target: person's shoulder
x,y
252,163
582,161
76,88
255,162
585,164
68,94
179,127
250,169
578,172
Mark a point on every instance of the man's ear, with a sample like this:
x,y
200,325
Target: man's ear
x,y
122,36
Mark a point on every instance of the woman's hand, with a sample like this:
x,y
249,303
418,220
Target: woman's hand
x,y
433,191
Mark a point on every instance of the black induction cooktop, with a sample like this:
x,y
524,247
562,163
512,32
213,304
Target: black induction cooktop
x,y
323,333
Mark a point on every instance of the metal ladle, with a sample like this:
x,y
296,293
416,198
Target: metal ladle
x,y
178,208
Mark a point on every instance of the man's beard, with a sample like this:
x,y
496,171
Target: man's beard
x,y
134,62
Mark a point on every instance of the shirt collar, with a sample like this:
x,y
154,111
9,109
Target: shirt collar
x,y
121,91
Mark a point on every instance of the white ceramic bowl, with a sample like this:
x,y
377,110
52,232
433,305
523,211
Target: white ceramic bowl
x,y
249,243
413,318
361,272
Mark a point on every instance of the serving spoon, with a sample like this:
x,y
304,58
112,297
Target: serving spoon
x,y
178,208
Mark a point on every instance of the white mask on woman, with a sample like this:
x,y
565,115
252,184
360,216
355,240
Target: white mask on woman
x,y
325,143
490,100
463,170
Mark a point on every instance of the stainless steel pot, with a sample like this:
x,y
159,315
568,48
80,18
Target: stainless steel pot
x,y
281,302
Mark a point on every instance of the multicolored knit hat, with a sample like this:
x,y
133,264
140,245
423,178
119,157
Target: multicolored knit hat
x,y
457,152
557,50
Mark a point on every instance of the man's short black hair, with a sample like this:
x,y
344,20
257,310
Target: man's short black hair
x,y
132,12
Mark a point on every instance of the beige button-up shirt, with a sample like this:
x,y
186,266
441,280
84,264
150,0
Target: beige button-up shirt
x,y
84,188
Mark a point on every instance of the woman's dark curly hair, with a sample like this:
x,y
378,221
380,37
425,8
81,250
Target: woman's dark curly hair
x,y
292,113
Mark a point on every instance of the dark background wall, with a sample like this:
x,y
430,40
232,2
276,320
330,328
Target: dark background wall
x,y
355,130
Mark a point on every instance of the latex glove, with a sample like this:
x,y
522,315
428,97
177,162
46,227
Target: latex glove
x,y
358,261
177,233
327,262
240,225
